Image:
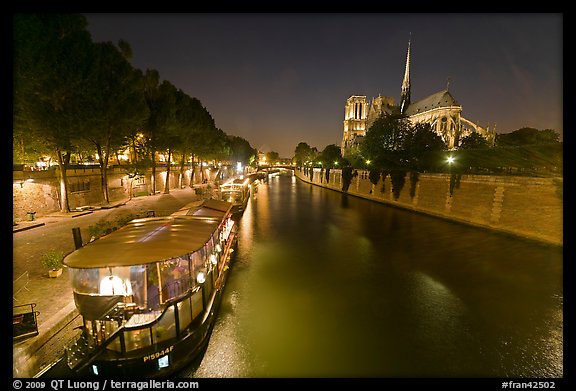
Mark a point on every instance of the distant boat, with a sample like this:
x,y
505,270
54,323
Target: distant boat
x,y
255,179
236,192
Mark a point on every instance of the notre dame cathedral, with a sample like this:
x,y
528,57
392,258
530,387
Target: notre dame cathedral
x,y
440,110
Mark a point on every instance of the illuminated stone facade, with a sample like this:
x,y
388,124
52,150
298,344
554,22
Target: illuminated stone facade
x,y
440,110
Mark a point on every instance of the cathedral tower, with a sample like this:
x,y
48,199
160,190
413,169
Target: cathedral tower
x,y
355,114
405,97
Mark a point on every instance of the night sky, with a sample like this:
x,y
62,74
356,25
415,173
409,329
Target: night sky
x,y
280,79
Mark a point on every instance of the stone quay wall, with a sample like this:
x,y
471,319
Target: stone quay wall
x,y
528,207
39,191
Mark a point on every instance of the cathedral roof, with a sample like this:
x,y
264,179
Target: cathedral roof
x,y
440,99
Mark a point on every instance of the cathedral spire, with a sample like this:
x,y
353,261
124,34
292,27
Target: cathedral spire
x,y
405,98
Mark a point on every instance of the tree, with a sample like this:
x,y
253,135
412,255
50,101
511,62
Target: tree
x,y
27,145
548,136
330,156
153,98
114,105
52,59
527,136
303,153
272,157
474,141
419,141
167,126
134,170
188,113
195,132
384,141
241,150
210,143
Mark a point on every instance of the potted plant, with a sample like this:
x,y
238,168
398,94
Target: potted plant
x,y
52,260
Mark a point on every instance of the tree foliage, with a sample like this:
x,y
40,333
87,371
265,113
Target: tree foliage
x,y
272,157
527,136
383,143
330,156
392,142
113,103
72,95
241,150
474,141
52,60
304,153
421,139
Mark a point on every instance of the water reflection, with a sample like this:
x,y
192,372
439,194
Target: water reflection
x,y
326,285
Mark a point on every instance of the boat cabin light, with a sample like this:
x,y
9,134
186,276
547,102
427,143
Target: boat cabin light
x,y
114,285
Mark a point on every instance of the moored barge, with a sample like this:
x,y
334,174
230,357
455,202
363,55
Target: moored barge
x,y
149,292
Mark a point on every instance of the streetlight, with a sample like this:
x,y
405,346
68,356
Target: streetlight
x,y
451,160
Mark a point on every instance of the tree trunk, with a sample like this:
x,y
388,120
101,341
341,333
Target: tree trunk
x,y
103,160
167,182
201,169
181,176
62,165
153,179
130,188
192,173
135,156
105,180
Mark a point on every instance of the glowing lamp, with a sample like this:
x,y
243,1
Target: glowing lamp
x,y
201,277
113,285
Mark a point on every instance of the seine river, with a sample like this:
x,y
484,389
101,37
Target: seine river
x,y
329,285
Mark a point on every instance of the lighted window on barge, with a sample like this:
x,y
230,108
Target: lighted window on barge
x,y
175,277
232,196
148,286
109,281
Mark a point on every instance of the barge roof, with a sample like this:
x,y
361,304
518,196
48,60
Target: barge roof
x,y
152,239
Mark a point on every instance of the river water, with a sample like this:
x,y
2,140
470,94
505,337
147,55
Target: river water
x,y
329,285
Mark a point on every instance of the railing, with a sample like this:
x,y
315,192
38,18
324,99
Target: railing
x,y
24,321
82,351
85,349
19,284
